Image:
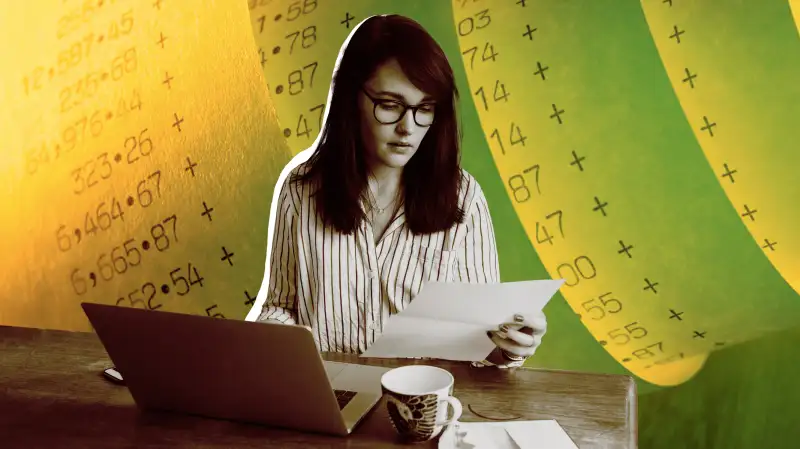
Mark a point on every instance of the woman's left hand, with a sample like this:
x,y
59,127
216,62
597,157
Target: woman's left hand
x,y
515,341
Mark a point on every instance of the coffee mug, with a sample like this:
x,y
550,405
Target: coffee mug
x,y
417,397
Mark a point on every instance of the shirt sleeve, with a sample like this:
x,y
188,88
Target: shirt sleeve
x,y
478,261
281,302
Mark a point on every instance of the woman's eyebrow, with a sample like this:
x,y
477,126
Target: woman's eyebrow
x,y
400,97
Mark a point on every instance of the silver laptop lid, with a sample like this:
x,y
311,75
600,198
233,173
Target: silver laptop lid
x,y
239,370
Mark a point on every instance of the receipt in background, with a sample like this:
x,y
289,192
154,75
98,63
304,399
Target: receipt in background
x,y
140,152
449,321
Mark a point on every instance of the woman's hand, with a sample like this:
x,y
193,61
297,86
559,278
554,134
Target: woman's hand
x,y
515,341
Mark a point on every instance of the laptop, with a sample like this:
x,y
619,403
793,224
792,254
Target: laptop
x,y
254,372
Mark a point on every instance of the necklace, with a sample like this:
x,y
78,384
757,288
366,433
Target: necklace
x,y
377,210
381,210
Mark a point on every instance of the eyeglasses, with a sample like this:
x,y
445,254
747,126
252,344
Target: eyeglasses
x,y
389,112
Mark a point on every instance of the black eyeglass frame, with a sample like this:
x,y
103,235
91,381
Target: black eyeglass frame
x,y
406,107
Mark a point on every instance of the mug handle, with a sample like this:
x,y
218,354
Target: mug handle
x,y
457,410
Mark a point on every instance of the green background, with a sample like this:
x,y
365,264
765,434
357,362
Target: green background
x,y
739,399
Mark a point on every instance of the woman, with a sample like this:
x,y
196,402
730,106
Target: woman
x,y
382,204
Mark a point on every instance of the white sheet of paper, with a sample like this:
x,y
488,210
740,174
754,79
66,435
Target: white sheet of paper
x,y
544,434
352,377
539,435
449,321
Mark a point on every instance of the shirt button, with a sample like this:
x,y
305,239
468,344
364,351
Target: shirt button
x,y
372,274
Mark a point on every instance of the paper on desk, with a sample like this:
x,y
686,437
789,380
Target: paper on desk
x,y
449,320
352,377
545,434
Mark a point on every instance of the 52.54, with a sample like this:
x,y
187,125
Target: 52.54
x,y
145,296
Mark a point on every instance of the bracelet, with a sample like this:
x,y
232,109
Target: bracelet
x,y
513,358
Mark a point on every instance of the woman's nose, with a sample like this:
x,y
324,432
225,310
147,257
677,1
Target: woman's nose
x,y
406,123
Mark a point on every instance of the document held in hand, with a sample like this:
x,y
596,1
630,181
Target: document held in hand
x,y
449,321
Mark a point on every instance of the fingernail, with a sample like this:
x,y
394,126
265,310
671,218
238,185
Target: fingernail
x,y
503,328
519,318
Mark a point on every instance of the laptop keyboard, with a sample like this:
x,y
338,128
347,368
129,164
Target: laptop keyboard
x,y
343,397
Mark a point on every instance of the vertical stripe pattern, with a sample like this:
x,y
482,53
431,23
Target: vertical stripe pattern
x,y
346,287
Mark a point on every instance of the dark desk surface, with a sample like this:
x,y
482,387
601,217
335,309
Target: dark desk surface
x,y
52,396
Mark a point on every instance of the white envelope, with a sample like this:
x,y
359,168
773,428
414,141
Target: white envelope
x,y
449,321
544,434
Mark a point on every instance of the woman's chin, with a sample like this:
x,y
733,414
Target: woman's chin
x,y
397,157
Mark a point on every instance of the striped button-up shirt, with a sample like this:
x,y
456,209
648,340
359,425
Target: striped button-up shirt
x,y
345,287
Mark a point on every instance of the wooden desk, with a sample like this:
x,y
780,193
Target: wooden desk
x,y
52,395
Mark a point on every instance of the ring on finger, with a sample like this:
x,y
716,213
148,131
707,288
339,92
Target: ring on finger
x,y
527,339
512,357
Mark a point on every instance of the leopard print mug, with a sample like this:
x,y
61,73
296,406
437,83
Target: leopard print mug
x,y
417,399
